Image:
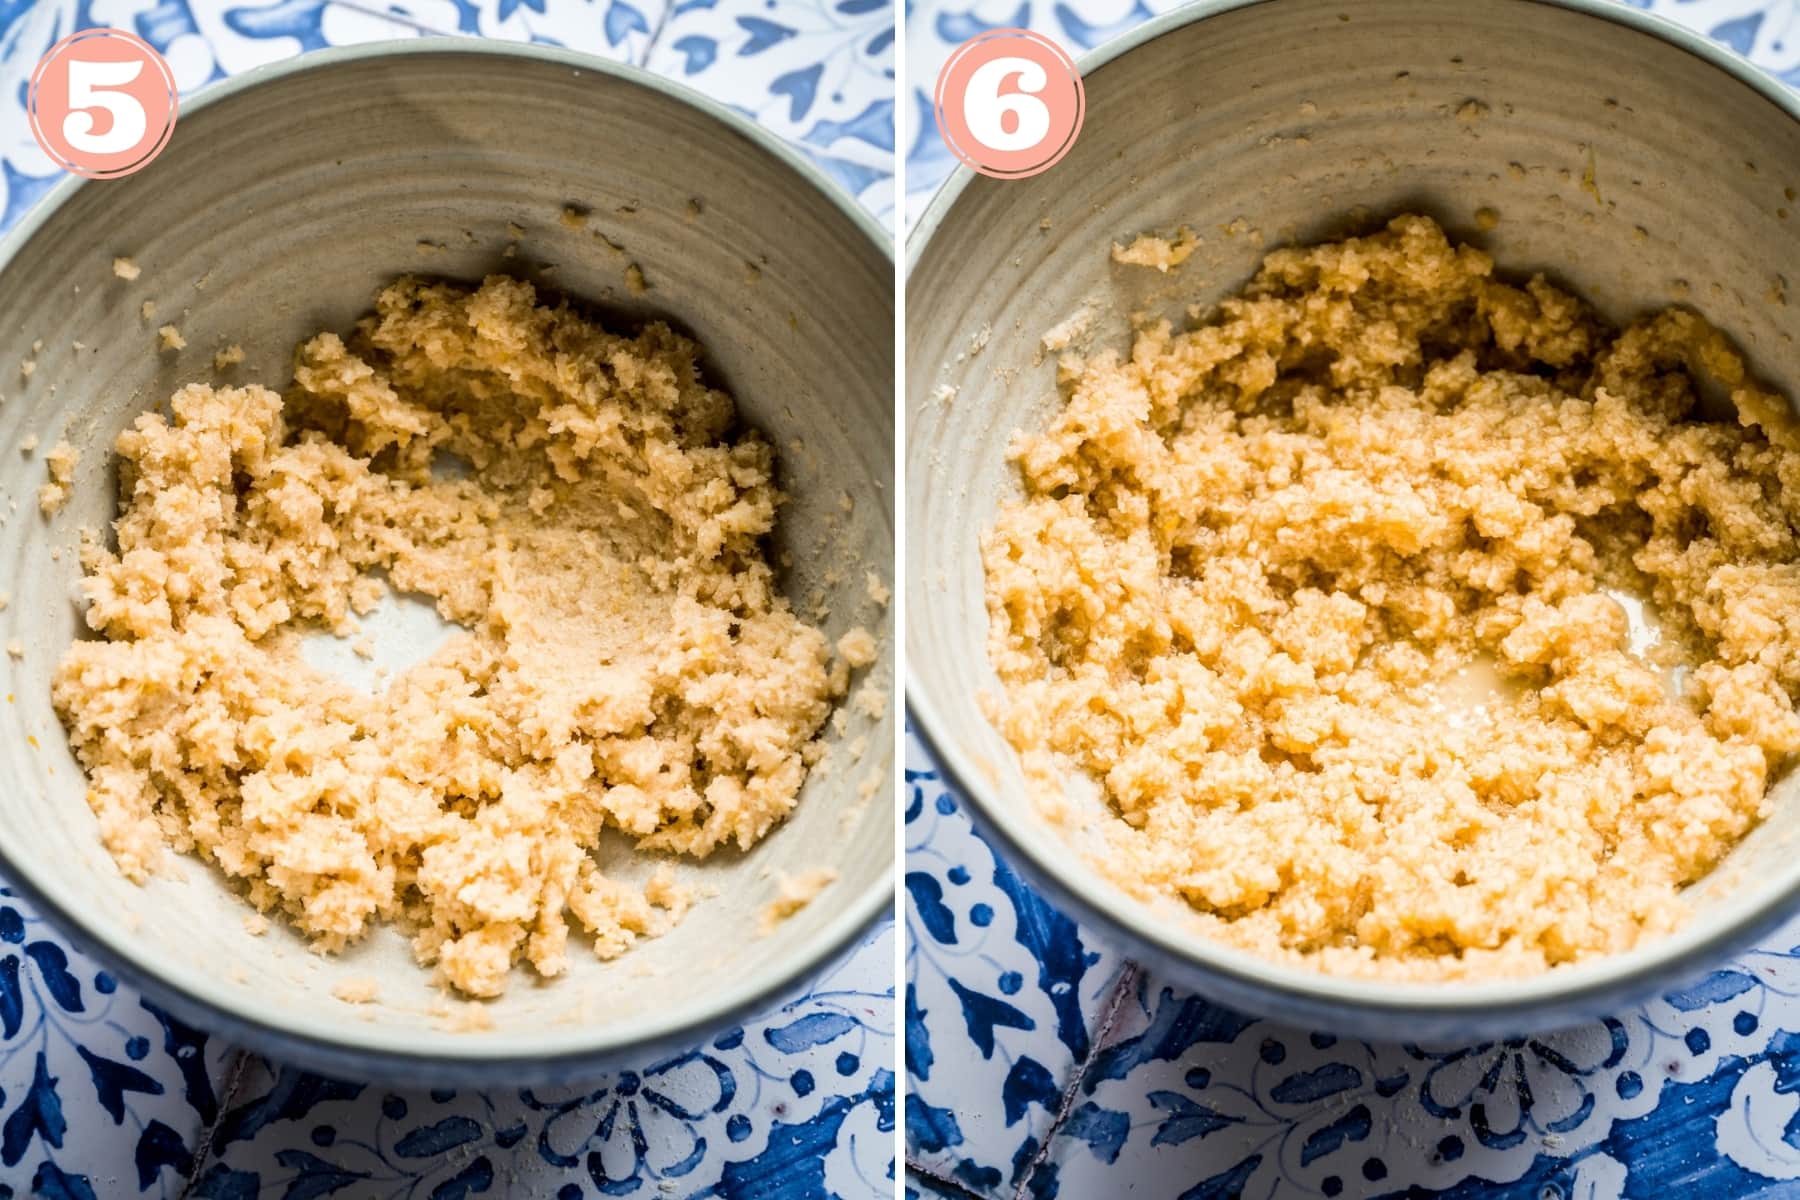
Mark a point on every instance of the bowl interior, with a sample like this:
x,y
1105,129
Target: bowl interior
x,y
1617,162
284,200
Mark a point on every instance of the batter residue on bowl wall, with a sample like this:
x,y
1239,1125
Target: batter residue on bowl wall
x,y
625,658
1255,561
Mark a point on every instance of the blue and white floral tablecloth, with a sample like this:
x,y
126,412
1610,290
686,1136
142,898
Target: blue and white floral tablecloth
x,y
1040,1064
101,1096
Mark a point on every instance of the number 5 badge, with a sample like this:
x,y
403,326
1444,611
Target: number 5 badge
x,y
102,103
1009,103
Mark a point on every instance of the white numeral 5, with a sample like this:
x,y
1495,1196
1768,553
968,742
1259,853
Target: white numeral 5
x,y
129,121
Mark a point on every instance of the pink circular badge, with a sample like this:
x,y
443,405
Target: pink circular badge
x,y
1009,103
102,103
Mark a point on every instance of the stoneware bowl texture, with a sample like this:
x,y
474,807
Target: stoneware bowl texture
x,y
285,198
1293,115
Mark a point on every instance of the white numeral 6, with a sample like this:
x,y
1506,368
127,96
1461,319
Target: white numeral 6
x,y
984,105
129,121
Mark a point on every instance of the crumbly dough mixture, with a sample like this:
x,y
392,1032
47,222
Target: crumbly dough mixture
x,y
624,660
1325,592
59,464
793,893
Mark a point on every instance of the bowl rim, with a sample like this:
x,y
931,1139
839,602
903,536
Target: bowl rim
x,y
1587,986
547,1052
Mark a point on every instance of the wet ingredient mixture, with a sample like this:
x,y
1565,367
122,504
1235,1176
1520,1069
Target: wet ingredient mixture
x,y
624,660
1334,594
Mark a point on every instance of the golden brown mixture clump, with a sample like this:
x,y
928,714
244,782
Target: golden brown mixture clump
x,y
1334,594
624,659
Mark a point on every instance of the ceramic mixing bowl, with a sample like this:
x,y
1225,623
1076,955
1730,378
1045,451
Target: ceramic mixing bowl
x,y
285,198
1624,156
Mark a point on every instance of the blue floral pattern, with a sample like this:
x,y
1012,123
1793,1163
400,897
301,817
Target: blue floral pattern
x,y
87,1062
102,1096
797,1105
818,72
1002,994
1162,1095
1693,1090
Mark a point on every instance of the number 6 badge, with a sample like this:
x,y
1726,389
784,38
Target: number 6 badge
x,y
1009,103
102,103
